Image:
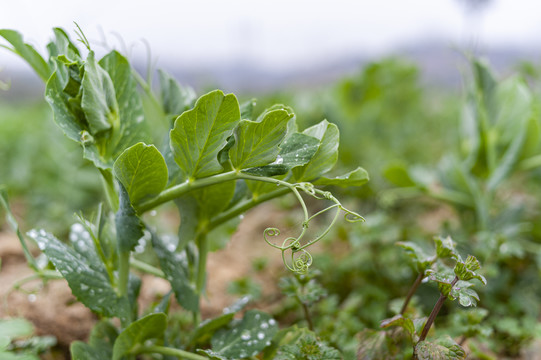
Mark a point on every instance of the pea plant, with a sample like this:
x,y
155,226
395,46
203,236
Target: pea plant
x,y
214,159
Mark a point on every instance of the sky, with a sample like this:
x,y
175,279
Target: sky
x,y
277,34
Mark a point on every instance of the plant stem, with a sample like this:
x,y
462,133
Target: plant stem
x,y
412,291
123,272
181,354
181,189
203,246
307,316
109,185
144,267
435,312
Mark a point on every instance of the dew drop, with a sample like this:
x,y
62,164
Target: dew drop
x,y
171,247
245,336
241,216
272,322
32,297
279,160
260,335
264,326
84,287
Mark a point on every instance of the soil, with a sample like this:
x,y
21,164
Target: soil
x,y
54,310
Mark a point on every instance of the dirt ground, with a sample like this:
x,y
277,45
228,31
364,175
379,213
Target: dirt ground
x,y
54,311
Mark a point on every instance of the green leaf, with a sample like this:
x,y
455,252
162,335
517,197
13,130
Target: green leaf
x,y
143,172
15,328
445,247
398,175
70,124
443,349
420,259
356,177
176,269
129,228
175,98
466,270
132,127
148,327
62,45
88,283
99,99
27,52
296,150
307,346
208,327
256,143
247,109
245,338
81,351
466,296
399,320
443,279
326,155
199,134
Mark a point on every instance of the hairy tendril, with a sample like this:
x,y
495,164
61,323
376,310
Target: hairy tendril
x,y
294,249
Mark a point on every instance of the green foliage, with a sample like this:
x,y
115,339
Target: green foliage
x,y
209,169
18,342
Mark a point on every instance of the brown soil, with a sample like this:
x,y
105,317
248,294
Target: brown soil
x,y
54,310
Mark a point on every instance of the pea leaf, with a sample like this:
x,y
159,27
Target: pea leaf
x,y
247,109
399,175
356,177
62,45
143,172
245,338
129,228
70,124
89,283
15,328
199,134
296,150
99,99
175,98
131,128
443,349
326,155
81,351
175,267
148,327
256,143
27,52
207,328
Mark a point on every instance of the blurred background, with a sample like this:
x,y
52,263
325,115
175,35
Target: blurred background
x,y
245,45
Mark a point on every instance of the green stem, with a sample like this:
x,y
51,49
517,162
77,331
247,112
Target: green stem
x,y
144,267
123,272
109,185
181,354
181,189
203,246
15,226
307,316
